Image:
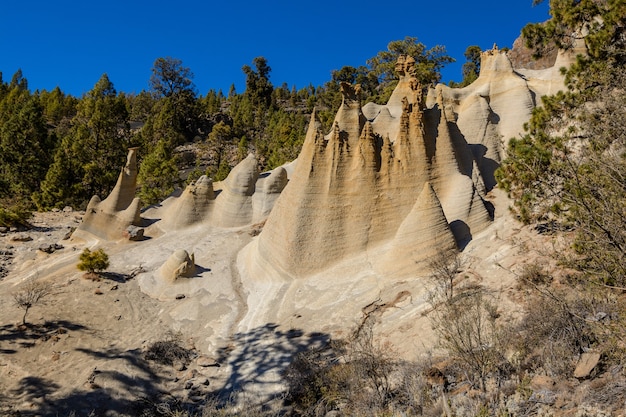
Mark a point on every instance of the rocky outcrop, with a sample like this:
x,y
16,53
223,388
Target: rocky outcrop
x,y
179,264
233,207
108,219
424,232
401,181
193,206
244,197
358,188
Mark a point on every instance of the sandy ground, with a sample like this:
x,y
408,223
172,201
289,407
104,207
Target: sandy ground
x,y
84,349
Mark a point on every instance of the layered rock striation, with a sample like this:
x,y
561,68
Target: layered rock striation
x,y
367,185
245,197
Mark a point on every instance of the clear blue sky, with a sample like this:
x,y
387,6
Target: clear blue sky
x,y
70,43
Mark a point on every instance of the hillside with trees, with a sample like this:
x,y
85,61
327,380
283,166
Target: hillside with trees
x,y
59,150
558,349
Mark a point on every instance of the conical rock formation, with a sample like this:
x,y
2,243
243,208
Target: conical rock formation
x,y
353,188
423,233
108,219
245,197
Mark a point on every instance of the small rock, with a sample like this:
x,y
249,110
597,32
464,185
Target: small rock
x,y
50,247
205,362
586,364
180,296
115,287
179,366
56,210
69,233
133,233
189,374
67,209
196,398
189,385
205,382
98,292
136,271
21,238
542,382
3,229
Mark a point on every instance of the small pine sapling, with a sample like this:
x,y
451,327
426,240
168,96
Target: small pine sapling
x,y
93,262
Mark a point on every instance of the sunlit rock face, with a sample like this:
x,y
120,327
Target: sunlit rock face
x,y
245,197
109,218
386,180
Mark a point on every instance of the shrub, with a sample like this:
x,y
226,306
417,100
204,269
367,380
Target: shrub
x,y
168,351
14,215
466,328
358,376
31,294
93,262
444,267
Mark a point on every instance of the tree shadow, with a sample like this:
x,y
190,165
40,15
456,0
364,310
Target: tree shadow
x,y
256,359
115,276
127,392
34,388
26,335
259,358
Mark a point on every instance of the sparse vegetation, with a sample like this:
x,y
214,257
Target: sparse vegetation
x,y
169,351
30,294
444,268
93,262
568,171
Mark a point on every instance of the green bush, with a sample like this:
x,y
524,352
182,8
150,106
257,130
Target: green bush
x,y
93,262
14,215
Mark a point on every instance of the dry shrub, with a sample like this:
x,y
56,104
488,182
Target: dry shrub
x,y
30,294
533,275
444,267
551,335
355,377
169,351
467,330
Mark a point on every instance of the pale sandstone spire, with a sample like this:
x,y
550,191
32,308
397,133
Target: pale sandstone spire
x,y
233,206
423,233
193,206
108,219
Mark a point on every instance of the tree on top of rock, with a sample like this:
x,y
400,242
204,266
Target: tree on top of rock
x,y
428,62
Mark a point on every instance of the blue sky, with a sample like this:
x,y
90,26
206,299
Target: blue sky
x,y
70,43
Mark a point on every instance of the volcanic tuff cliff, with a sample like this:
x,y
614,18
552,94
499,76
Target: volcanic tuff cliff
x,y
388,179
398,182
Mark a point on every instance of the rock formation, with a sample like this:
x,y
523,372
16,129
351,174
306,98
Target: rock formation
x,y
108,219
386,179
179,264
358,188
244,197
400,181
193,206
233,207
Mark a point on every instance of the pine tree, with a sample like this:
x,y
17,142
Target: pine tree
x,y
24,143
570,166
90,156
